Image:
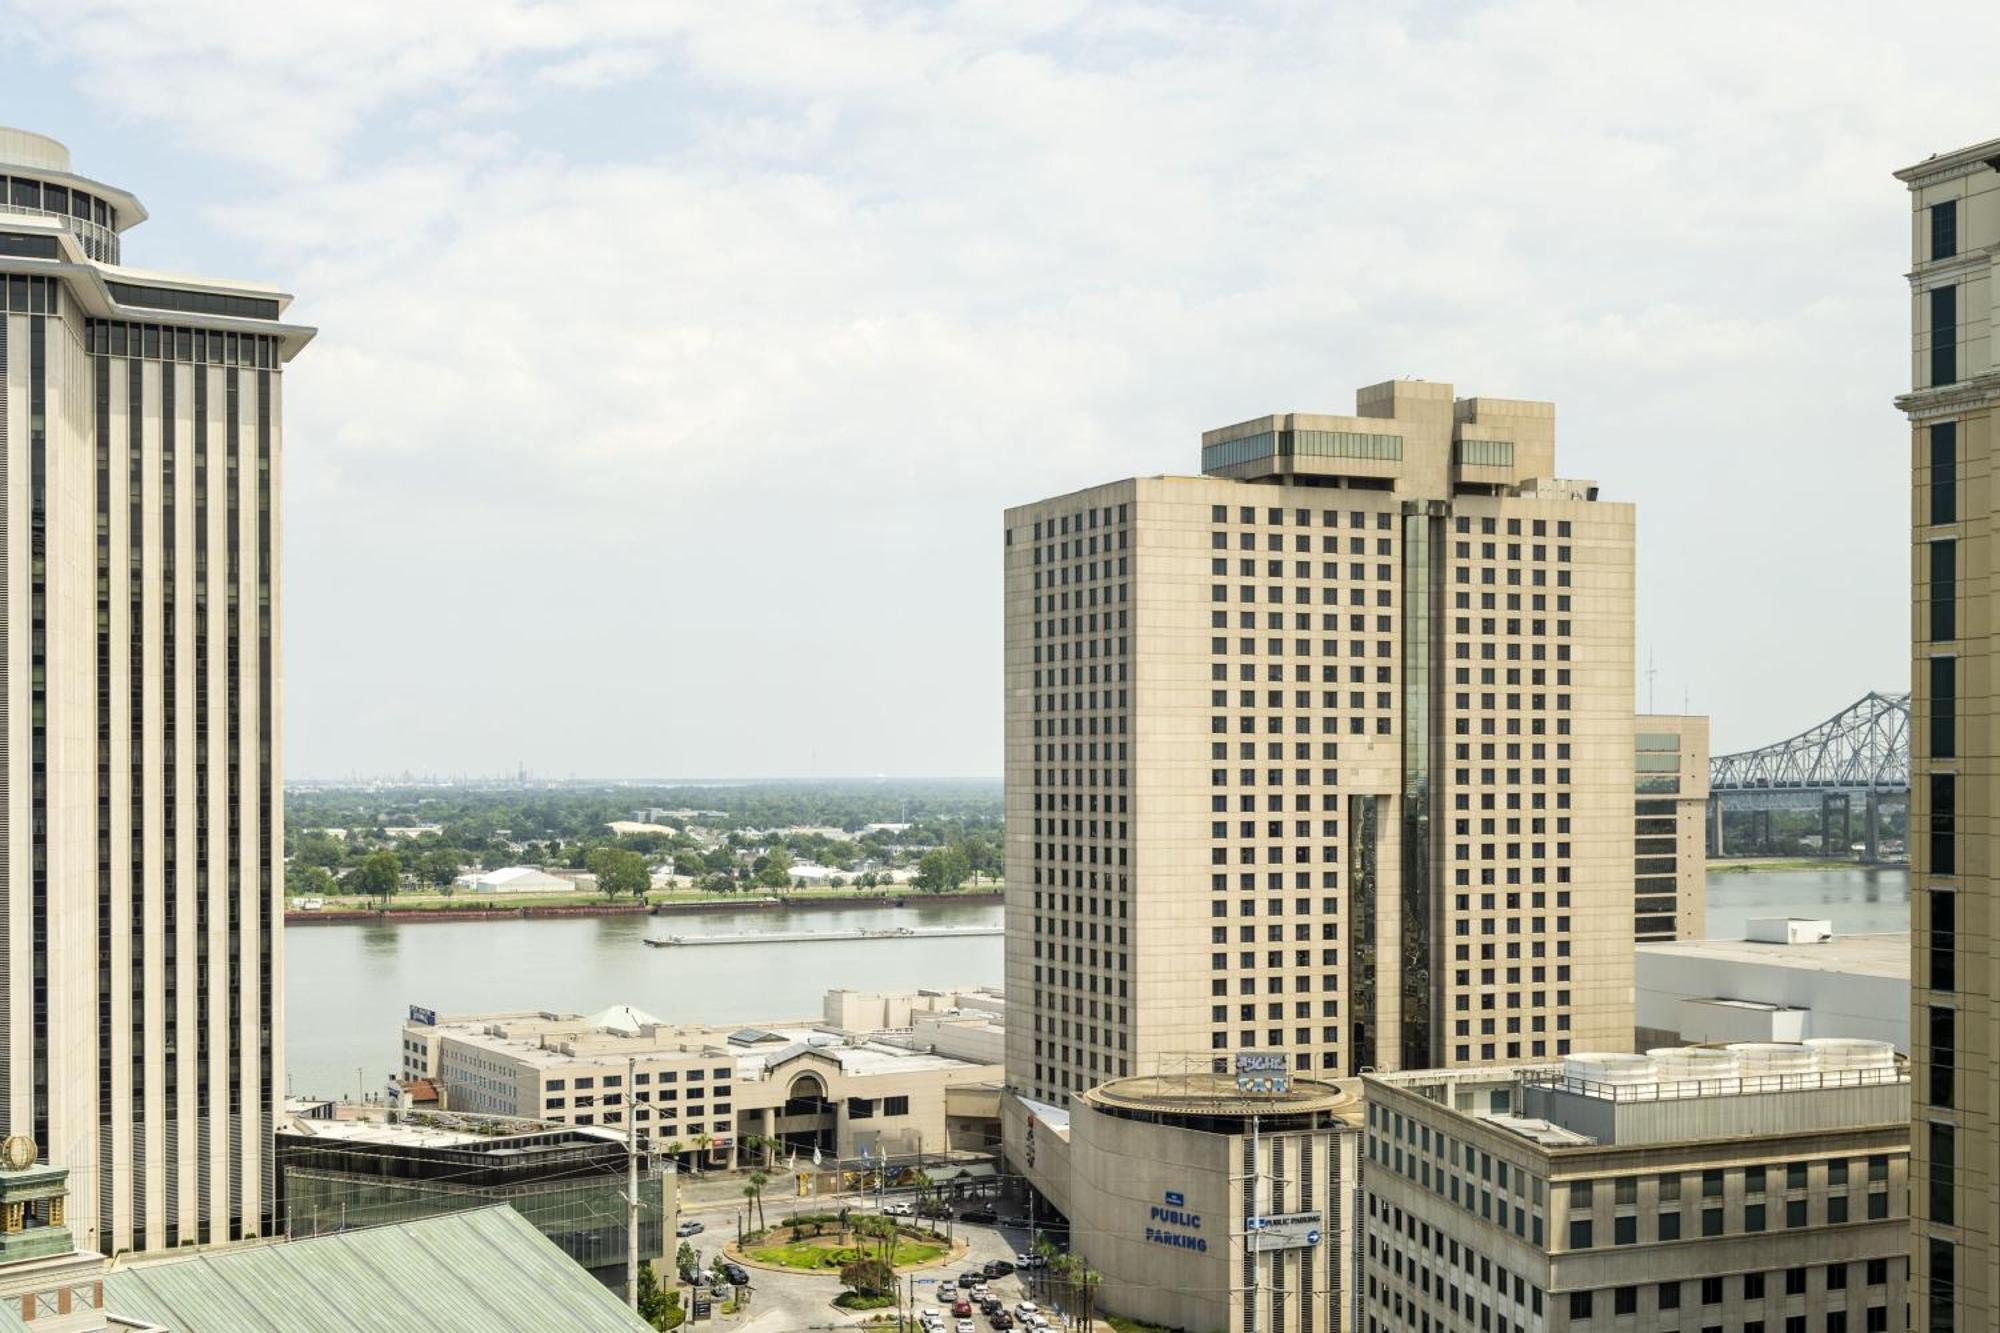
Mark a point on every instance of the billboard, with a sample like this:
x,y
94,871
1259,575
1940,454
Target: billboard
x,y
427,1017
1264,1073
1286,1231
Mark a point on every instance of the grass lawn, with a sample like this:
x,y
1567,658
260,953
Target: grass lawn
x,y
831,1253
1765,865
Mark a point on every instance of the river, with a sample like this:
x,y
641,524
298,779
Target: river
x,y
348,988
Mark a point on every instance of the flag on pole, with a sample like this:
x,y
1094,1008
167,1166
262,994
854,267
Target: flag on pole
x,y
815,1154
795,1160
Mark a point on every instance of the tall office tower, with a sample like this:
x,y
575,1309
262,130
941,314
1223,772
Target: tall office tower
x,y
140,862
1670,827
1326,753
1955,1138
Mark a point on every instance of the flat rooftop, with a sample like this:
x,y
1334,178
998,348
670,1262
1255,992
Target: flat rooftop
x,y
1883,955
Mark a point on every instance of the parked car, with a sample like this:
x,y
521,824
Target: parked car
x,y
737,1273
1001,1321
689,1227
898,1209
990,1305
947,1293
962,1308
1011,1221
965,1326
979,1215
1025,1308
1026,1260
998,1268
967,1278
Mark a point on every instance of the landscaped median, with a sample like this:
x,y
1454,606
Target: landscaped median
x,y
827,1243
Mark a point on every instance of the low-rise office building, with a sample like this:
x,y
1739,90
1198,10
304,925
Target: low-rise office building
x,y
808,1087
1203,1205
1760,1186
334,1175
1787,981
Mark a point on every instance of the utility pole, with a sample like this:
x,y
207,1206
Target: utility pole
x,y
631,1189
1257,1215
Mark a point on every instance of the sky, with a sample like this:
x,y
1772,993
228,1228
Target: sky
x,y
676,361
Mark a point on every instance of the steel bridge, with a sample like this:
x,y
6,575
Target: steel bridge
x,y
1863,750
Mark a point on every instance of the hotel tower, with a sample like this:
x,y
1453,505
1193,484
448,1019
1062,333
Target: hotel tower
x,y
140,685
1955,385
1325,754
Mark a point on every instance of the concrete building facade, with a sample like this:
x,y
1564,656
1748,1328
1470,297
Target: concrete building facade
x,y
1207,1208
1327,752
805,1085
1669,829
1637,1194
1955,385
141,682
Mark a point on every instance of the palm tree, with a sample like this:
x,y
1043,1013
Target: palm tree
x,y
674,1150
755,1191
701,1142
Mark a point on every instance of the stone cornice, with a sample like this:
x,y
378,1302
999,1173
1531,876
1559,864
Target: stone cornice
x,y
1951,399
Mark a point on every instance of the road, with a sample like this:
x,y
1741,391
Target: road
x,y
784,1302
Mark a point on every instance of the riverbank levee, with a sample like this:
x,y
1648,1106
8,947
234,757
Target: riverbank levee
x,y
440,907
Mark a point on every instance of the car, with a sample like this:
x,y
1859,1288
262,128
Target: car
x,y
898,1209
964,1326
1011,1221
1025,1308
979,1215
998,1268
967,1278
737,1273
990,1305
1024,1260
947,1294
1001,1321
689,1227
962,1308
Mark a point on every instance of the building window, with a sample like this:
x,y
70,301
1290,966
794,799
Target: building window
x,y
1579,1305
1944,707
1944,229
895,1106
1944,591
1944,335
1579,1233
1943,1294
1944,1054
1944,472
1944,927
1670,1226
1944,1158
1944,823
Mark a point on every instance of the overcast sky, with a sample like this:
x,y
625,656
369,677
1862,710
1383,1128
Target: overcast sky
x,y
676,360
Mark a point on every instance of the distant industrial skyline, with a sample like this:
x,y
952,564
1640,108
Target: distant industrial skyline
x,y
673,377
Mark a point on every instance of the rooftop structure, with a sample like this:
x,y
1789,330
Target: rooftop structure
x,y
483,1271
1787,988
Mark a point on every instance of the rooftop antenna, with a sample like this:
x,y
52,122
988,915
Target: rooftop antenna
x,y
1652,673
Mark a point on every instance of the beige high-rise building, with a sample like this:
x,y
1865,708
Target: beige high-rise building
x,y
1670,823
140,688
1954,855
1327,752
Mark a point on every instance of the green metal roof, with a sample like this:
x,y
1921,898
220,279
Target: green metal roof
x,y
10,1318
473,1272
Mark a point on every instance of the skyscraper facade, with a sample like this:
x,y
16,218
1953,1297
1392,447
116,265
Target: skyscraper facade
x,y
1326,753
141,870
1955,385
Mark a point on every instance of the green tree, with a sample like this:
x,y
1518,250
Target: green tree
x,y
318,848
774,869
308,881
619,871
691,862
379,875
660,1308
754,1191
685,1259
942,870
438,868
868,1276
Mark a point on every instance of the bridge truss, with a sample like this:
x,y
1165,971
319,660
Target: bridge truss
x,y
1862,751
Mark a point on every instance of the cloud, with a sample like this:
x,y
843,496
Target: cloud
x,y
698,347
